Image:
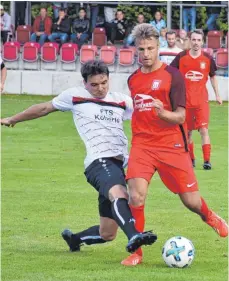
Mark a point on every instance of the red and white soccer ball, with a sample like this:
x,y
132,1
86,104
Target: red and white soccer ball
x,y
178,252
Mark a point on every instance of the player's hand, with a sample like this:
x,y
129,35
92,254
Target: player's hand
x,y
8,122
158,105
219,100
1,87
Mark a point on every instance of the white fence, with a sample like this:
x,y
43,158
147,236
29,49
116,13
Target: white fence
x,y
53,83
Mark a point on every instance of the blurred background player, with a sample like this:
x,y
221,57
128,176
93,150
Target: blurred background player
x,y
158,137
196,66
98,115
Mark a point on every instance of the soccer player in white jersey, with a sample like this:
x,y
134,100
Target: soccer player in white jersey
x,y
98,115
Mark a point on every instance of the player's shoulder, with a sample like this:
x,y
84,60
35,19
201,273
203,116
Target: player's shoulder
x,y
134,75
120,97
75,92
206,55
173,71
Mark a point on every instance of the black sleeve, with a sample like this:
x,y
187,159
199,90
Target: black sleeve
x,y
213,68
2,65
176,62
177,91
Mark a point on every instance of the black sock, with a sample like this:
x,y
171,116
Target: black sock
x,y
122,215
90,236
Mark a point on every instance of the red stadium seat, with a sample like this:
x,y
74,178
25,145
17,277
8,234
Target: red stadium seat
x,y
134,50
68,52
99,37
222,58
49,52
208,51
88,52
30,51
107,54
11,51
214,39
126,57
23,33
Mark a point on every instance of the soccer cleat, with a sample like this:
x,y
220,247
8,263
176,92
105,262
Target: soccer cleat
x,y
218,224
71,239
207,165
193,163
132,260
144,238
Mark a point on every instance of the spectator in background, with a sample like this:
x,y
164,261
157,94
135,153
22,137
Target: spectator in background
x,y
3,74
213,13
57,6
80,28
94,11
183,42
189,12
162,38
20,7
130,39
61,28
158,21
5,24
117,29
168,54
41,27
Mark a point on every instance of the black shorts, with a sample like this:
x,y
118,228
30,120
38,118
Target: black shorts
x,y
103,174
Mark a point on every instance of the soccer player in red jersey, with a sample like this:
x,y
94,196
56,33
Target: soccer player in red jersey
x,y
196,66
159,140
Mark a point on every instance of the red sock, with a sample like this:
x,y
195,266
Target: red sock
x,y
206,152
139,216
204,210
191,150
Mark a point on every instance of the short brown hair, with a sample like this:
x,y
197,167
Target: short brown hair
x,y
144,31
170,33
197,31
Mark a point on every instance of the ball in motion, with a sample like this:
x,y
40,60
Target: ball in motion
x,y
178,252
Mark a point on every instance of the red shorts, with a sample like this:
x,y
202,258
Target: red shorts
x,y
175,168
197,118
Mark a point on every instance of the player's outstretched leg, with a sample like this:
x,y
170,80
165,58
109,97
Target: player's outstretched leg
x,y
123,217
89,236
195,203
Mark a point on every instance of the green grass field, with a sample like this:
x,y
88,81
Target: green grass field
x,y
44,191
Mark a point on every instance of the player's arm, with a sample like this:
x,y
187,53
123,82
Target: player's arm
x,y
33,112
212,74
3,76
174,117
214,83
177,97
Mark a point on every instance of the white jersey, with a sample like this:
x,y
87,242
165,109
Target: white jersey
x,y
99,122
167,55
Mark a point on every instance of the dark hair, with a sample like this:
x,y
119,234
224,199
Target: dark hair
x,y
82,9
62,10
141,14
119,11
43,8
197,31
170,33
94,67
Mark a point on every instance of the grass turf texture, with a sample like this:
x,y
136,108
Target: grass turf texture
x,y
44,191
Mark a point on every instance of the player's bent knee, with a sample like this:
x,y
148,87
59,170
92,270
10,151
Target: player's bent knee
x,y
118,191
137,198
108,236
203,132
192,205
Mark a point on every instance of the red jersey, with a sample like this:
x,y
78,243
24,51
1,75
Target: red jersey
x,y
149,131
195,72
